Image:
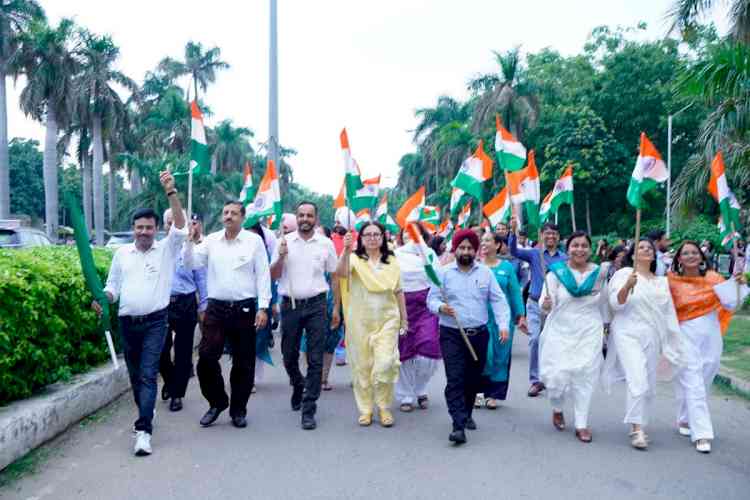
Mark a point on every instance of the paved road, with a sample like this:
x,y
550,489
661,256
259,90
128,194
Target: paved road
x,y
516,453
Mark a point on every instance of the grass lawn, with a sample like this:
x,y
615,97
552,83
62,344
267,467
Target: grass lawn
x,y
737,347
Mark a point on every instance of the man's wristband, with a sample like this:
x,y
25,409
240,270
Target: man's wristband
x,y
174,191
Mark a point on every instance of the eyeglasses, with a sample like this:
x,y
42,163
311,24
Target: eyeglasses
x,y
372,235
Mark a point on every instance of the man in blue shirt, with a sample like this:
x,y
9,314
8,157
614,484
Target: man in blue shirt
x,y
183,310
539,262
468,292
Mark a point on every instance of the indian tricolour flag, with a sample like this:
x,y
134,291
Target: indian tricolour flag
x,y
458,199
531,197
446,229
367,195
719,189
649,171
267,201
340,200
430,217
463,216
361,217
560,194
511,155
411,209
382,216
474,172
728,237
498,209
352,176
199,158
248,192
428,257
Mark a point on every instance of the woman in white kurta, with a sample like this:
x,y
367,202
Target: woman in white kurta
x,y
570,349
643,328
703,320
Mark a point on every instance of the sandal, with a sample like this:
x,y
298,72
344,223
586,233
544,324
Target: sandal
x,y
478,401
406,407
365,419
638,440
490,404
326,386
423,402
386,417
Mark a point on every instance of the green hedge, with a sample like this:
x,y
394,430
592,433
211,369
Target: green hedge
x,y
48,331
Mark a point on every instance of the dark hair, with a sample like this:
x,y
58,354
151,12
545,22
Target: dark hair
x,y
616,250
436,243
676,268
577,234
656,234
385,251
327,231
145,213
257,229
307,202
523,232
551,226
628,260
238,203
422,230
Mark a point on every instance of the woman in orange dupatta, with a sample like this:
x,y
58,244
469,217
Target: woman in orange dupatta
x,y
703,321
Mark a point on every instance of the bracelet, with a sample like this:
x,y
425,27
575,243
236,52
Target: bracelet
x,y
174,191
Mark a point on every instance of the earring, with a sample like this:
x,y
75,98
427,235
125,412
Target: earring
x,y
703,266
679,268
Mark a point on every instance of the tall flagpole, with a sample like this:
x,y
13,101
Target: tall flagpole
x,y
273,91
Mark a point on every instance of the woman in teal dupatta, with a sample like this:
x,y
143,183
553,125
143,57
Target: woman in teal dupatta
x,y
497,370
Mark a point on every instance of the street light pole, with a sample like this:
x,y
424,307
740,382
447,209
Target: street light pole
x,y
669,166
273,92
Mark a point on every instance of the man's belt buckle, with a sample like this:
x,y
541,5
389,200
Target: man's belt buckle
x,y
470,332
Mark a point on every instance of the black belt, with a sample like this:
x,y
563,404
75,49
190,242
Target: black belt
x,y
233,304
302,302
146,317
180,296
470,332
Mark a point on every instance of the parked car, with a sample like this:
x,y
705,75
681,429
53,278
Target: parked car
x,y
14,235
116,240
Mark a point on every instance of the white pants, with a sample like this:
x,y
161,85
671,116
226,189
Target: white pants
x,y
414,375
639,364
703,346
581,390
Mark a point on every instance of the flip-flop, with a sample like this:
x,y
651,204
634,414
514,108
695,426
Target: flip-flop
x,y
423,402
406,407
490,404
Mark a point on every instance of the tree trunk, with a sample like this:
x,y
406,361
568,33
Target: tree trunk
x,y
112,198
136,185
87,190
98,180
588,215
4,159
214,165
50,175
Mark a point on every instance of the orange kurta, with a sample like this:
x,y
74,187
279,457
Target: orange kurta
x,y
694,297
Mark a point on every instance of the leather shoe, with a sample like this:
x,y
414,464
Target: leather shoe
x,y
308,422
470,424
164,393
458,437
535,389
211,415
584,435
175,404
297,397
558,420
239,421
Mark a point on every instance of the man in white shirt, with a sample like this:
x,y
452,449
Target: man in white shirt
x,y
140,277
662,242
239,292
300,263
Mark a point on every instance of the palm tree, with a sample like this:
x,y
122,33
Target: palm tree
x,y
100,105
231,146
15,18
507,94
685,15
201,66
47,59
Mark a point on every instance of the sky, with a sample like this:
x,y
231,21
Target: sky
x,y
363,65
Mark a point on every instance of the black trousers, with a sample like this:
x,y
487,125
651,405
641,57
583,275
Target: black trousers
x,y
311,317
463,373
183,316
234,321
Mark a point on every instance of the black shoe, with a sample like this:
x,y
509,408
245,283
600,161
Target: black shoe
x,y
175,404
470,424
308,422
297,397
164,393
211,415
458,437
239,421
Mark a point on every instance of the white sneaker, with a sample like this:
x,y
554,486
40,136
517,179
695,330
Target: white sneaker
x,y
703,446
683,430
142,444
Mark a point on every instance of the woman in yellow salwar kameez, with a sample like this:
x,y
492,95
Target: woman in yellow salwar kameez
x,y
375,313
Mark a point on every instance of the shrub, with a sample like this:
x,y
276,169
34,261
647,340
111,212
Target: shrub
x,y
48,331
